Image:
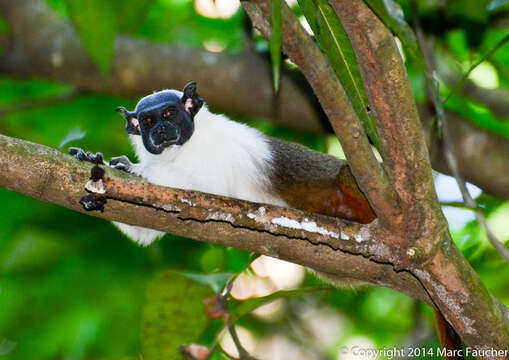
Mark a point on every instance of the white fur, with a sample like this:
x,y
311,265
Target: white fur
x,y
222,157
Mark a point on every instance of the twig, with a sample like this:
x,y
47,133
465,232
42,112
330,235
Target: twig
x,y
446,138
458,205
243,354
222,297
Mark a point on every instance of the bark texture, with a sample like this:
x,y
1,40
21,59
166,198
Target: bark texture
x,y
44,45
331,246
416,231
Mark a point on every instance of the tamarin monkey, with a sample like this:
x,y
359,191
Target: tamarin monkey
x,y
180,143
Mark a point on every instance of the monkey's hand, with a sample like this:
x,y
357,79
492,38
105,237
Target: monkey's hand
x,y
122,163
87,156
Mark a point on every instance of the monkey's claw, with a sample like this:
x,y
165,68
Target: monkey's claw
x,y
90,203
97,159
121,163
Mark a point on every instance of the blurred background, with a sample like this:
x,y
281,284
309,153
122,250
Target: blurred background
x,y
73,287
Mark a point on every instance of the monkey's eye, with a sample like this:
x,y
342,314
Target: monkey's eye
x,y
148,121
168,113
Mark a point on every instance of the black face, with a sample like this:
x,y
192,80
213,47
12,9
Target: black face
x,y
164,118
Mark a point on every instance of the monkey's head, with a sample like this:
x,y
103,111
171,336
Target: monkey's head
x,y
164,118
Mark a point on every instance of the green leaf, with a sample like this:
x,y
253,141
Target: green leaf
x,y
495,5
275,42
478,115
334,41
130,14
483,57
76,133
392,16
94,21
173,315
32,249
98,22
215,281
240,308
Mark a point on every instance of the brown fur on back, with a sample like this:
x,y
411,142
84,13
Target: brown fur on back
x,y
316,182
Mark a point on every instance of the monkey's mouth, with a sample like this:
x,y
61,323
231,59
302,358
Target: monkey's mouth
x,y
156,144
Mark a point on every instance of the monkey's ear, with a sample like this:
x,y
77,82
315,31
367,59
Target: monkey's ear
x,y
133,126
191,100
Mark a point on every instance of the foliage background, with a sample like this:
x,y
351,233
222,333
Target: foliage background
x,y
72,287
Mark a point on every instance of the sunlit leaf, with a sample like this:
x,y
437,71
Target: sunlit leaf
x,y
215,281
74,134
173,315
275,42
483,57
241,308
334,41
495,5
478,115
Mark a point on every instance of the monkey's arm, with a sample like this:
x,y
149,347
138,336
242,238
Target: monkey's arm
x,y
312,181
120,162
81,155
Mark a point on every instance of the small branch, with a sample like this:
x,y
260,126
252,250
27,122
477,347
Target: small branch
x,y
46,45
467,198
31,56
243,354
447,139
406,159
48,175
303,51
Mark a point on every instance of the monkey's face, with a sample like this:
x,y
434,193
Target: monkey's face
x,y
164,126
164,118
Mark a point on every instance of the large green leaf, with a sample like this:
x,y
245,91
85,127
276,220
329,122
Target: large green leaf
x,y
334,41
98,22
478,114
216,281
94,22
392,16
130,14
173,315
275,42
240,308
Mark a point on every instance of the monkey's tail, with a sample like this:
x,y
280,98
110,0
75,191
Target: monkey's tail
x,y
449,339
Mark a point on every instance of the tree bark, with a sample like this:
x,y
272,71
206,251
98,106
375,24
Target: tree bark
x,y
341,248
419,239
44,45
407,248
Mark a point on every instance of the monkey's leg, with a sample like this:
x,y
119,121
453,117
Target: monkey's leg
x,y
122,163
87,156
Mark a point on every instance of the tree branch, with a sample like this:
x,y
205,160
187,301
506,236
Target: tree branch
x,y
60,57
480,154
406,158
303,51
418,236
45,45
331,245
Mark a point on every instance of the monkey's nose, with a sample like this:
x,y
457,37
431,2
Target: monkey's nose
x,y
165,134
